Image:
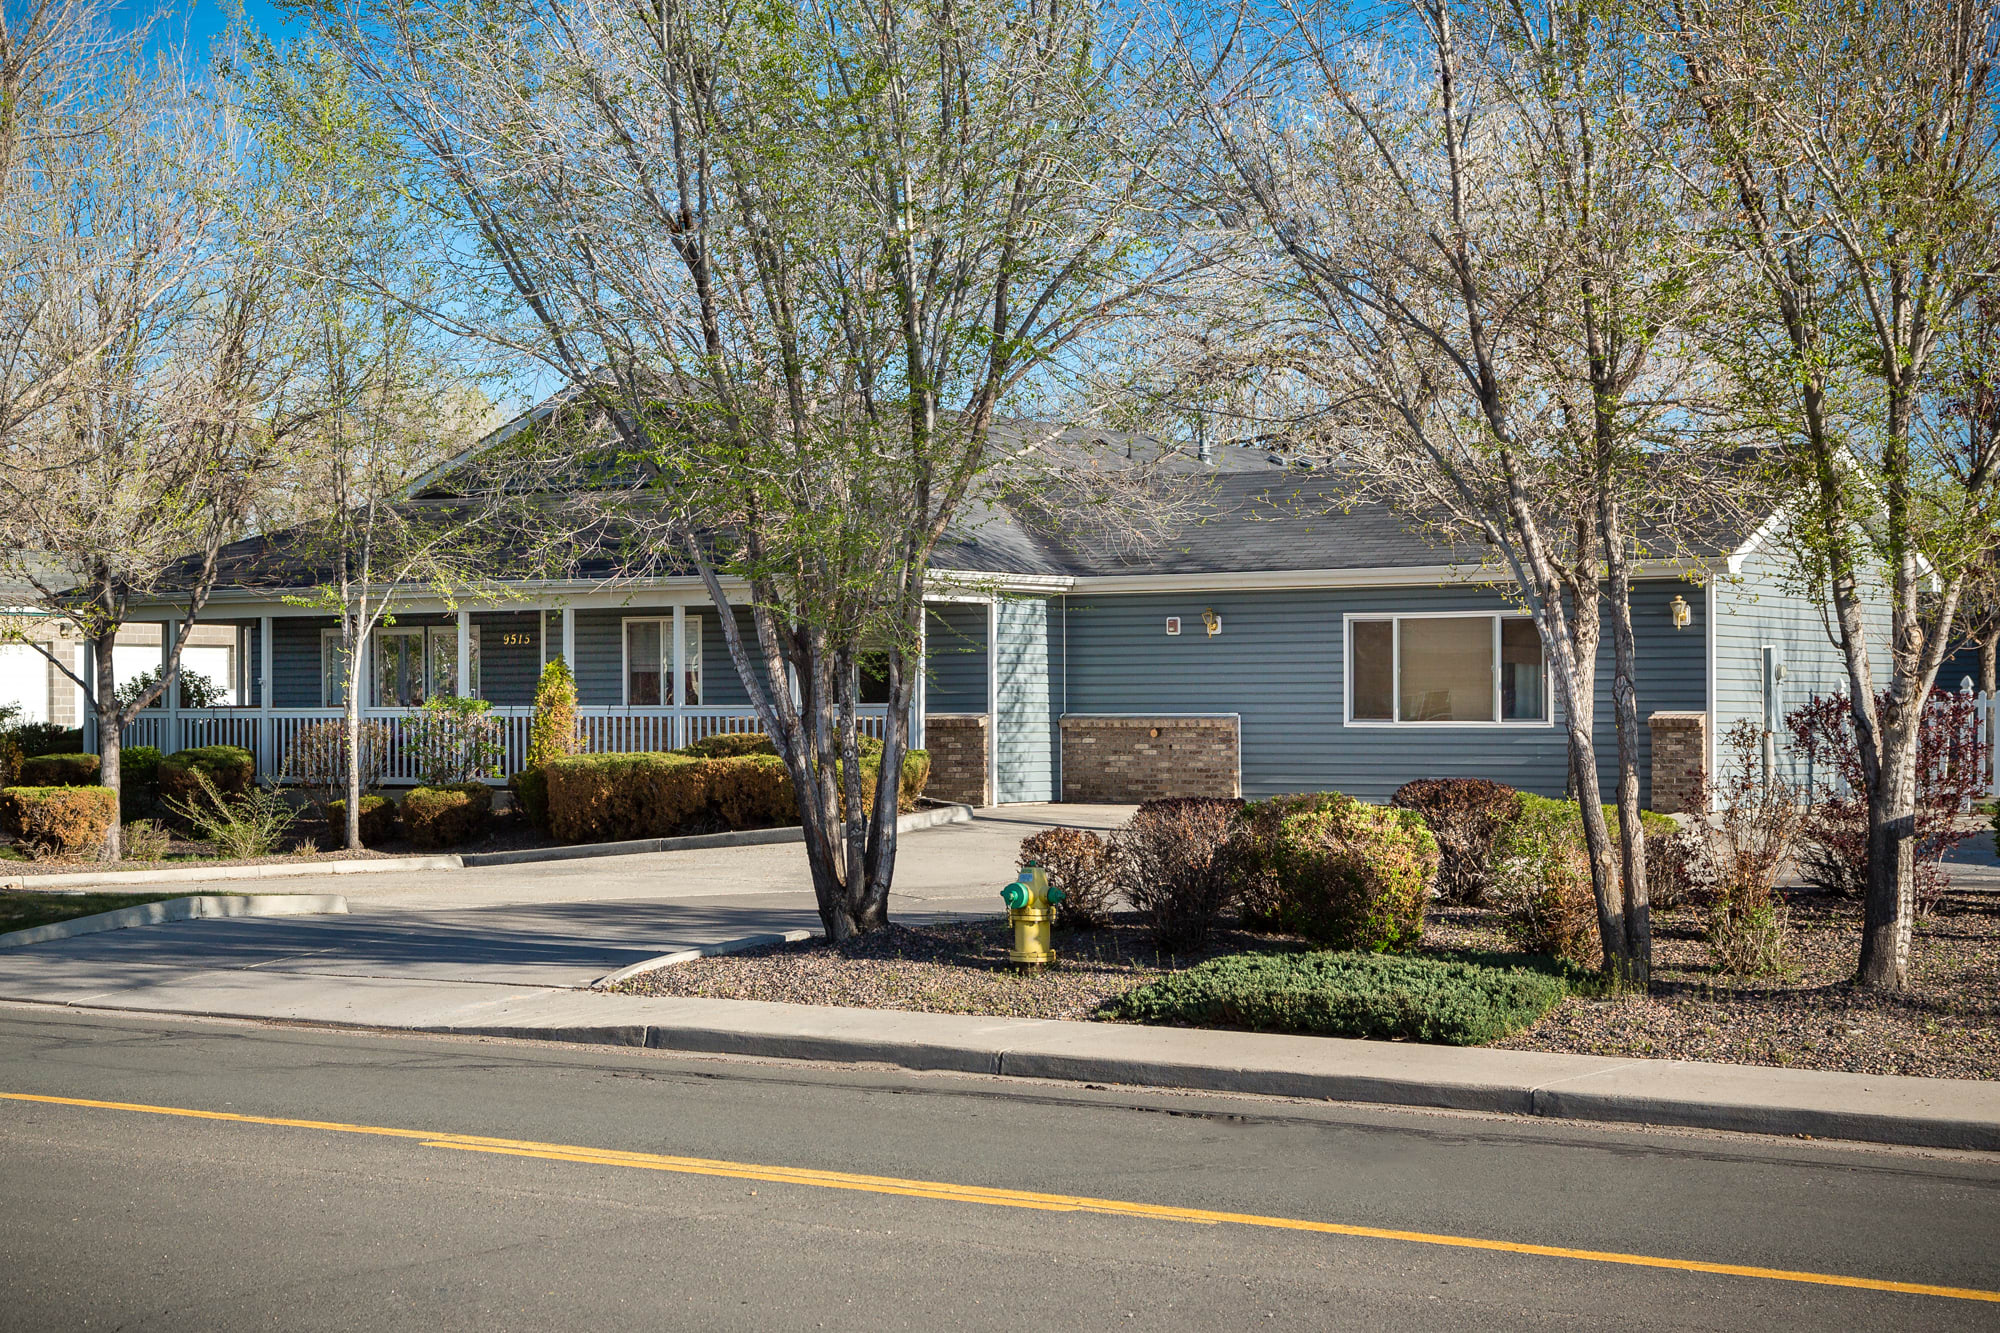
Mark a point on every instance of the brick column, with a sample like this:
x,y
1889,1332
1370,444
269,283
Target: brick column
x,y
1680,762
1115,758
957,746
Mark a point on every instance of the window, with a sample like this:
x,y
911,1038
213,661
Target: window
x,y
1460,669
410,665
871,678
332,670
649,661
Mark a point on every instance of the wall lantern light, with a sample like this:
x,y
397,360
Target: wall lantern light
x,y
1212,621
1680,612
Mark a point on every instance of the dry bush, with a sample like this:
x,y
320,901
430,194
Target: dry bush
x,y
1079,863
145,840
59,821
751,791
317,760
238,825
1466,816
1173,863
1748,840
1541,876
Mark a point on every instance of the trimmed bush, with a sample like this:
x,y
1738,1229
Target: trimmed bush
x,y
751,791
531,794
445,816
1353,875
612,797
1260,898
1466,816
378,820
60,770
228,769
1078,863
65,820
735,744
1542,877
139,768
1173,860
1338,994
551,736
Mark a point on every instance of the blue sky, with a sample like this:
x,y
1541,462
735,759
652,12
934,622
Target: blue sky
x,y
206,19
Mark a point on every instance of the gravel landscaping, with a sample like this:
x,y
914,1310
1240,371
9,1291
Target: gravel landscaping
x,y
1947,1027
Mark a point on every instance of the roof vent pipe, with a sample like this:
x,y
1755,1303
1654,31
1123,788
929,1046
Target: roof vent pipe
x,y
1202,448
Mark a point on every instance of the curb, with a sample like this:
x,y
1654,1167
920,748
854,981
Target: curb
x,y
203,908
705,951
920,819
1903,1111
205,874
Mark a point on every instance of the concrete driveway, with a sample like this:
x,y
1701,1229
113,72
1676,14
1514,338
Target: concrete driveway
x,y
551,924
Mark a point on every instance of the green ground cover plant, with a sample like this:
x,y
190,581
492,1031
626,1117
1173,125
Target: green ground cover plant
x,y
1344,994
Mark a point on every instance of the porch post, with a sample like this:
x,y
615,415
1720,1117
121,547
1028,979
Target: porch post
x,y
465,655
569,638
89,674
679,658
170,696
993,696
917,695
266,726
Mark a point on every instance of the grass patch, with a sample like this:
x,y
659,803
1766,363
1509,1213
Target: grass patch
x,y
22,909
1336,994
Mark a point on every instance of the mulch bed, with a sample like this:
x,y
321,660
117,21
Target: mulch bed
x,y
1947,1026
953,968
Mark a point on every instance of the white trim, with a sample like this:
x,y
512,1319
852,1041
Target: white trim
x,y
569,639
463,686
1395,618
1714,724
673,660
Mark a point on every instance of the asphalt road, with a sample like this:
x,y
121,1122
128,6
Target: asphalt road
x,y
511,1206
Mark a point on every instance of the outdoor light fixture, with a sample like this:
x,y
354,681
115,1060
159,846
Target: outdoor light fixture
x,y
1680,612
1212,621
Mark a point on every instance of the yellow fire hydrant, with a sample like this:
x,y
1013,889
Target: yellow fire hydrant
x,y
1031,900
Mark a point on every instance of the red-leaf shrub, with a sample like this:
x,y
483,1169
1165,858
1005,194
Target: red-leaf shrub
x,y
1952,755
1173,863
1079,863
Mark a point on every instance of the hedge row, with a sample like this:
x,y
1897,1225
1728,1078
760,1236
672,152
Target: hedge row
x,y
613,797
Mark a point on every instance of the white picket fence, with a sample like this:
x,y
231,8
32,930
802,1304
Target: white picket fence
x,y
1986,708
271,735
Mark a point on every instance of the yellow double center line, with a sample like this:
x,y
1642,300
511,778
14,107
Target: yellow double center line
x,y
948,1192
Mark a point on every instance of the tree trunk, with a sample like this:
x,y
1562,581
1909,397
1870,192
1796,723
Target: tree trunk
x,y
1890,909
110,735
1625,715
1989,664
1574,685
351,719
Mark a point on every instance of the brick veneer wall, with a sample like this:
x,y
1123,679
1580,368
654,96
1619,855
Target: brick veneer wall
x,y
1143,758
957,746
1680,761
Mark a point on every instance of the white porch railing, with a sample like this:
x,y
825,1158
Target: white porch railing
x,y
271,735
1986,708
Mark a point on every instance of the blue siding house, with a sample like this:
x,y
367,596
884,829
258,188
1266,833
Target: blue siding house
x,y
1282,638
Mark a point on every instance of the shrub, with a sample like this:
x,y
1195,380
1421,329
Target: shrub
x,y
456,741
734,744
1541,874
1258,894
1349,995
1466,816
1079,863
139,768
59,820
1173,863
551,736
145,840
916,776
317,759
1751,941
751,790
1353,875
227,769
1952,753
378,820
531,796
60,770
609,797
446,816
47,738
238,825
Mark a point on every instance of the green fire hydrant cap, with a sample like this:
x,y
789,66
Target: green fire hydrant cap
x,y
1015,895
1056,895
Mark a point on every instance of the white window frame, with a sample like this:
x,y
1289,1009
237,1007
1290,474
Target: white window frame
x,y
329,651
672,657
1396,672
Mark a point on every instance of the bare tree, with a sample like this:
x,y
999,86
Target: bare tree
x,y
1471,216
797,261
1857,147
148,320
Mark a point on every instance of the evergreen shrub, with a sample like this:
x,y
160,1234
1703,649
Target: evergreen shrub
x,y
1351,875
378,820
445,816
228,768
60,770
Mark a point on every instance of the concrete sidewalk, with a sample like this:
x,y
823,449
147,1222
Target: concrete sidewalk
x,y
1937,1113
